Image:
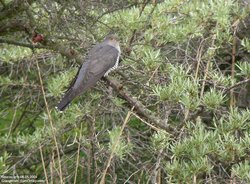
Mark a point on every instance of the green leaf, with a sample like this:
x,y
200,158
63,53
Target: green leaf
x,y
213,99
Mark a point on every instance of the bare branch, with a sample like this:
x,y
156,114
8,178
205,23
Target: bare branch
x,y
12,42
237,85
139,107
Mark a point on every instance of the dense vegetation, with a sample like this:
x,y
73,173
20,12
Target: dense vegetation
x,y
175,111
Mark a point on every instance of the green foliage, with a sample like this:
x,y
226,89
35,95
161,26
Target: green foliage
x,y
6,81
222,10
231,149
74,113
221,79
246,44
185,172
190,155
11,53
182,88
151,58
160,140
190,103
213,99
172,92
118,102
60,82
242,171
137,124
117,144
244,69
3,161
237,120
176,58
167,93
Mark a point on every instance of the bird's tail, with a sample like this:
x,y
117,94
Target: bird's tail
x,y
65,101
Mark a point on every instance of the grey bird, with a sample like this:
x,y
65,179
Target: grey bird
x,y
101,60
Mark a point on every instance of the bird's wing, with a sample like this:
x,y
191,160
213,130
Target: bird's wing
x,y
101,58
83,67
99,61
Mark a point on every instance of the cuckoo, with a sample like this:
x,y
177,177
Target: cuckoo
x,y
101,59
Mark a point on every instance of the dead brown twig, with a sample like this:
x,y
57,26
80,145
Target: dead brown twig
x,y
51,123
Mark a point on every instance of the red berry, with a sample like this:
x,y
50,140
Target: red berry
x,y
37,38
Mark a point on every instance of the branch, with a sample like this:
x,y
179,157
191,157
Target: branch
x,y
138,106
12,26
155,171
14,8
236,85
12,42
65,51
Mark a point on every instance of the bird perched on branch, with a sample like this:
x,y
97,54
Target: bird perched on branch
x,y
101,59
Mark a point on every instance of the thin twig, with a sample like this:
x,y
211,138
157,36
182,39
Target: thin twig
x,y
115,145
13,120
232,97
44,168
198,58
207,68
51,123
236,85
78,155
157,165
142,120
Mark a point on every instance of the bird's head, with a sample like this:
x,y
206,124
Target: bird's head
x,y
112,39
